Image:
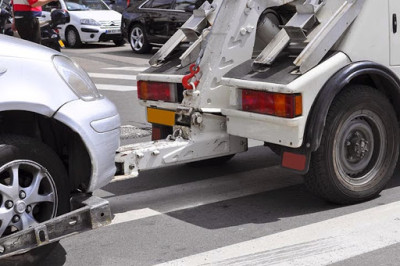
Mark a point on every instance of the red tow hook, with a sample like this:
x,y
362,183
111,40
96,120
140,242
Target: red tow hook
x,y
186,79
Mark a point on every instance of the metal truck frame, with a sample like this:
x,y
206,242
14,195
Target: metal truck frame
x,y
322,92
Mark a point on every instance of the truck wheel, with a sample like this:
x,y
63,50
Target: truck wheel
x,y
359,147
138,39
33,189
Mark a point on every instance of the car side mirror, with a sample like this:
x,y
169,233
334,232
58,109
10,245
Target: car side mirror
x,y
59,16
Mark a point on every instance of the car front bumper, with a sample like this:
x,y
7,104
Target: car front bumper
x,y
95,34
98,124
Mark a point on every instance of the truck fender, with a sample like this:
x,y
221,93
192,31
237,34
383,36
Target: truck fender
x,y
364,72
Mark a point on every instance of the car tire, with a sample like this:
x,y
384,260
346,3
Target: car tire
x,y
359,147
119,42
72,38
138,39
42,190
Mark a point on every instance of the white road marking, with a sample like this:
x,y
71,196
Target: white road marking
x,y
125,59
137,69
111,87
201,193
320,243
112,76
134,215
254,143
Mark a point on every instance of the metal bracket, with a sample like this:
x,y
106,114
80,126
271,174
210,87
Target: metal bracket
x,y
196,23
92,213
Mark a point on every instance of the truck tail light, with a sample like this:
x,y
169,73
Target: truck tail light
x,y
276,104
157,91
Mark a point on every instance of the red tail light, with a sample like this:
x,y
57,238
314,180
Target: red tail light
x,y
157,91
276,104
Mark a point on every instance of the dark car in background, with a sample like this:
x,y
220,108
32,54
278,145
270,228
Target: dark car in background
x,y
152,22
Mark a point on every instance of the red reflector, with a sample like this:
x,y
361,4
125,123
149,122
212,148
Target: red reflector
x,y
156,133
156,91
277,104
294,161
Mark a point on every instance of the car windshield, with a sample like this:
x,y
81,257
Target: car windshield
x,y
81,5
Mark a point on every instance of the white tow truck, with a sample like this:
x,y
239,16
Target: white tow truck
x,y
316,80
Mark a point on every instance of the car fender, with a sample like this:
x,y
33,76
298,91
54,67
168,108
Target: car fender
x,y
39,89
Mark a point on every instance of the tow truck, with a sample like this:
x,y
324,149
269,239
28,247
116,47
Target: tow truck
x,y
316,80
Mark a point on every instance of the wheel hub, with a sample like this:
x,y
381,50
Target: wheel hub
x,y
357,147
20,207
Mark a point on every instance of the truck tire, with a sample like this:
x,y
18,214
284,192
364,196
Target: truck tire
x,y
33,189
359,147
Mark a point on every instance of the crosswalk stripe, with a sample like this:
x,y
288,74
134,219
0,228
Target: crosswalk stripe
x,y
134,215
125,59
112,76
201,193
112,87
320,243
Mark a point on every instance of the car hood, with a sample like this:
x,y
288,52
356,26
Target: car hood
x,y
15,47
98,15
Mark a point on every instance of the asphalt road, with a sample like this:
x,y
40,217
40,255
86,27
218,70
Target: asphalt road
x,y
248,211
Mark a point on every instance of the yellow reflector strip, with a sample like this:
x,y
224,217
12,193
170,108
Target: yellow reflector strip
x,y
61,43
161,117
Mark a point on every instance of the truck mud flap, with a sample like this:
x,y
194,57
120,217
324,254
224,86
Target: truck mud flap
x,y
90,213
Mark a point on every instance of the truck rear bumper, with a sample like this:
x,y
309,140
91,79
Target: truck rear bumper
x,y
89,213
281,131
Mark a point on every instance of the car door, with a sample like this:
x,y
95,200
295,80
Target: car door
x,y
181,12
157,19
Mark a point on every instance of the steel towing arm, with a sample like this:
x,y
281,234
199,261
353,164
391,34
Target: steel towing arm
x,y
89,213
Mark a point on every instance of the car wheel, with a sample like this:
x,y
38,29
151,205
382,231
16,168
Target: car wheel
x,y
72,38
138,39
359,147
119,42
33,189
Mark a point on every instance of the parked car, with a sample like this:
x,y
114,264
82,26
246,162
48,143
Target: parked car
x,y
91,21
58,135
152,22
117,5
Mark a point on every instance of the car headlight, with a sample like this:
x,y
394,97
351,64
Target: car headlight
x,y
76,78
89,21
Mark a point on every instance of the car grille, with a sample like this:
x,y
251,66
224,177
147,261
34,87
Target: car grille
x,y
114,24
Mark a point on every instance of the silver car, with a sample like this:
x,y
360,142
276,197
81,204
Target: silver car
x,y
58,134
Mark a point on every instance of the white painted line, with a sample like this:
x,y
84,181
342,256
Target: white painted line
x,y
125,59
112,76
133,215
137,69
321,243
111,87
194,194
254,143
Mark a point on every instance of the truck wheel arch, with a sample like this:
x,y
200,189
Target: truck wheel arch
x,y
356,73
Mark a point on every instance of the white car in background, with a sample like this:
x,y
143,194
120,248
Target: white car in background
x,y
91,21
